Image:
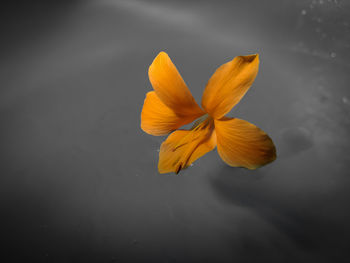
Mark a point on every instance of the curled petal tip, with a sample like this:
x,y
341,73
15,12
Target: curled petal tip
x,y
251,58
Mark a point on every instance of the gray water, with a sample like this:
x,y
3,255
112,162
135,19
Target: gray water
x,y
79,180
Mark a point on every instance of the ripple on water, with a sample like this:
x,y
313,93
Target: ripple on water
x,y
295,140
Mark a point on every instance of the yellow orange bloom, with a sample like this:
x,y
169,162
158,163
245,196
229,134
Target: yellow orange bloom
x,y
171,105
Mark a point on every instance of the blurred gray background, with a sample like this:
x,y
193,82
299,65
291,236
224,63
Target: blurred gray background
x,y
79,180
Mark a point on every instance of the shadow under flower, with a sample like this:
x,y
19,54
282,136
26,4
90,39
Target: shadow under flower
x,y
276,227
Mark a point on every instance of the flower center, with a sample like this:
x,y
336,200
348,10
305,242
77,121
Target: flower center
x,y
199,133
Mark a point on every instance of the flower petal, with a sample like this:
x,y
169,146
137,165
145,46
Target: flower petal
x,y
241,143
228,85
171,88
183,147
157,119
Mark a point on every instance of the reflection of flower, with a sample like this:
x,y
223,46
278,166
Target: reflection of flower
x,y
171,106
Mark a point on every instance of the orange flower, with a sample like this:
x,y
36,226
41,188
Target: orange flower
x,y
171,105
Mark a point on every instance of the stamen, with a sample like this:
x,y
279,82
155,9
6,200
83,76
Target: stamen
x,y
178,168
201,123
192,143
198,121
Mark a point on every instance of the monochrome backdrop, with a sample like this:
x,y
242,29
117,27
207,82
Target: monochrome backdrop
x,y
79,179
